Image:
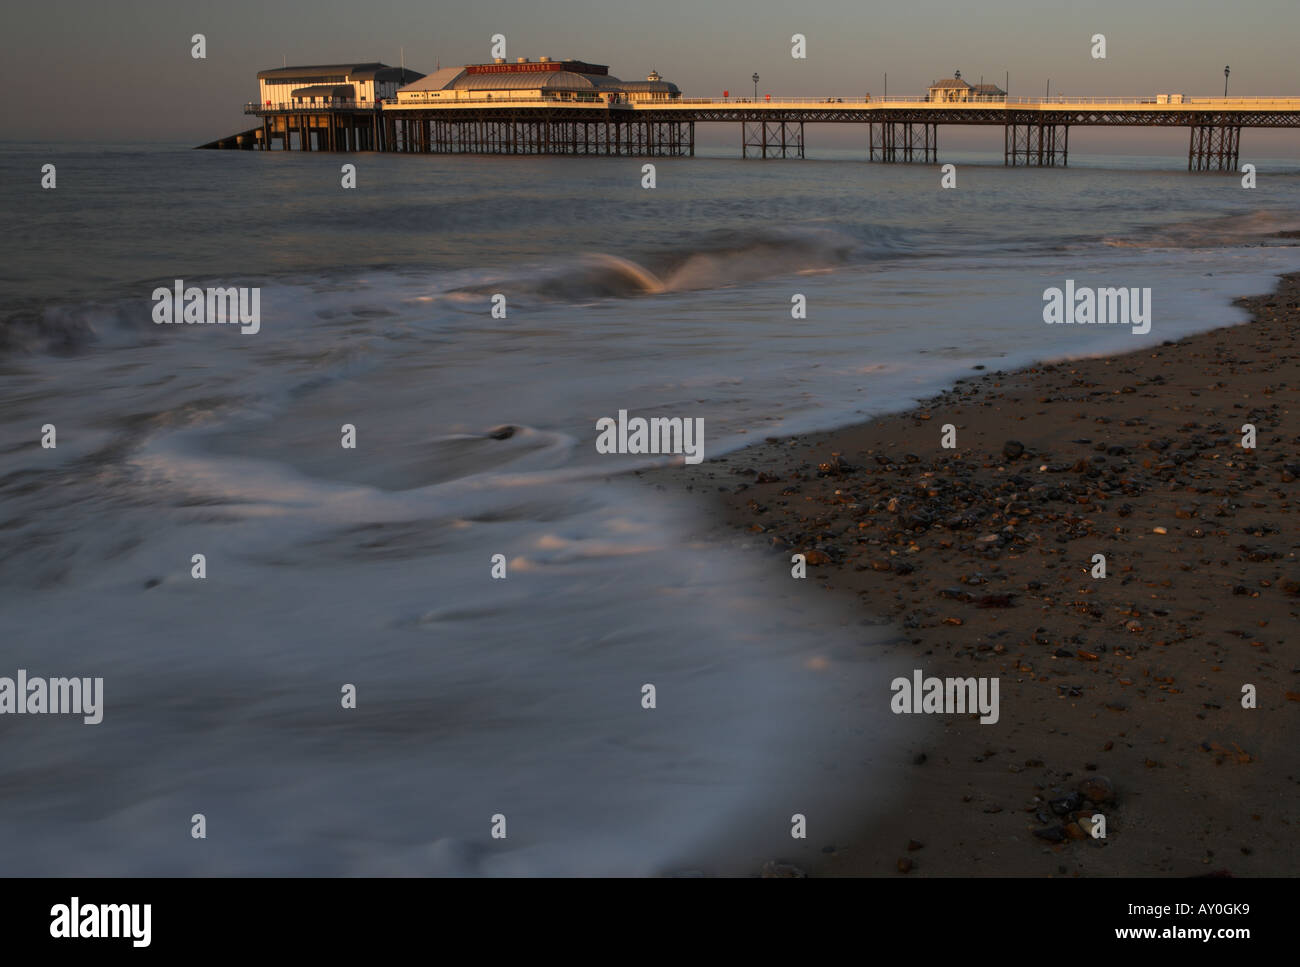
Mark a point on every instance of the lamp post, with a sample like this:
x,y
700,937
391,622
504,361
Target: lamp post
x,y
1225,82
755,85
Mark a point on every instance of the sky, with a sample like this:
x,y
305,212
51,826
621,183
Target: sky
x,y
122,70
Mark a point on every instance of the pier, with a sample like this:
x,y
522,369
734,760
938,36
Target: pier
x,y
574,108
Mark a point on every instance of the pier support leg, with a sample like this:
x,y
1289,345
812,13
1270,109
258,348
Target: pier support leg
x,y
1214,147
903,141
1036,143
777,138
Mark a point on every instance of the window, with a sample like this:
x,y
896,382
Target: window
x,y
304,81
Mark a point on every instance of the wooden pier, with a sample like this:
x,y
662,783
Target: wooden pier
x,y
899,130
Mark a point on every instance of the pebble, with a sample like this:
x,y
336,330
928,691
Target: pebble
x,y
1067,804
1098,789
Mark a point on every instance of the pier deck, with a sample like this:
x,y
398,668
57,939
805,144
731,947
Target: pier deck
x,y
900,129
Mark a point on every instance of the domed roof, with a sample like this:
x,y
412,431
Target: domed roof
x,y
664,87
543,80
482,78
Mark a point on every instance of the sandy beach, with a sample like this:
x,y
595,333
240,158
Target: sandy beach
x,y
1120,695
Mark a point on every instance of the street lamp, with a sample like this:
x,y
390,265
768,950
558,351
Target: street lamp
x,y
755,85
1225,82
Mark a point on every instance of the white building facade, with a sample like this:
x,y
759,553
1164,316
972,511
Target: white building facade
x,y
331,85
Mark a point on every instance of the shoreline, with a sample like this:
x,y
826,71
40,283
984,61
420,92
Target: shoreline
x,y
981,557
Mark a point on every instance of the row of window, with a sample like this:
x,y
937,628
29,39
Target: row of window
x,y
303,81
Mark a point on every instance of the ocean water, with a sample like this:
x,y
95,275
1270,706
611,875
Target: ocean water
x,y
476,436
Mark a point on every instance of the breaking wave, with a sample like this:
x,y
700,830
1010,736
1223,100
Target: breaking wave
x,y
1254,228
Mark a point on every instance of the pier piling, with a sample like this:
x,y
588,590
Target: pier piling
x,y
903,141
777,137
1215,146
1037,143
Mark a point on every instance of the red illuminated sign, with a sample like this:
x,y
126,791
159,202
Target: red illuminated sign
x,y
537,67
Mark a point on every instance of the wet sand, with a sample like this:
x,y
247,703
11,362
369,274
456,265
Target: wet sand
x,y
981,557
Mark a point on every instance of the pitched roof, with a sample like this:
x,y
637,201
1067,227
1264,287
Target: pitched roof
x,y
439,80
559,79
951,82
372,71
346,91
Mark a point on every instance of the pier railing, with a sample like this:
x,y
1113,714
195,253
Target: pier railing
x,y
551,100
253,107
1160,102
1221,103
